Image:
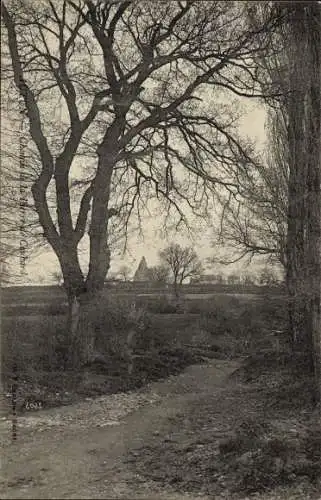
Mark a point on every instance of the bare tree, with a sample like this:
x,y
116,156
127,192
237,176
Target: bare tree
x,y
297,145
268,277
254,223
160,273
58,278
128,84
124,272
183,263
304,214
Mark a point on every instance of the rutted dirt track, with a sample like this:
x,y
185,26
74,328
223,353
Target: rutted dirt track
x,y
70,457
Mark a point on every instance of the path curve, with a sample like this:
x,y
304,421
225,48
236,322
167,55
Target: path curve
x,y
76,459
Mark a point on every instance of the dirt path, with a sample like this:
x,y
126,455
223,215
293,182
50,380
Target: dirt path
x,y
70,457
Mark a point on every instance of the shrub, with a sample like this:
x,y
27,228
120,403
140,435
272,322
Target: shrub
x,y
274,462
199,306
246,327
161,304
34,345
117,325
272,311
228,304
218,322
258,458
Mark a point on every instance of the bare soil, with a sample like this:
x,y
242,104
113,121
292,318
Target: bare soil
x,y
82,451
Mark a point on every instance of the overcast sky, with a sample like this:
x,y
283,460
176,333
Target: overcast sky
x,y
43,266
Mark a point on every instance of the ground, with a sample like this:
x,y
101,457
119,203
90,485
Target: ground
x,y
215,405
109,447
56,460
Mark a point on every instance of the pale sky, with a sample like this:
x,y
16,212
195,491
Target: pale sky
x,y
43,266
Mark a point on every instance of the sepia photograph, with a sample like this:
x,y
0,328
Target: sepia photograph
x,y
160,250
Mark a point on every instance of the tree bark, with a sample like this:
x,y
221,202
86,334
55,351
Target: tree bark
x,y
176,290
80,342
313,231
99,250
304,215
296,218
82,338
82,292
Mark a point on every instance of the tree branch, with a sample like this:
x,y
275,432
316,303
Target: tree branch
x,y
80,227
41,184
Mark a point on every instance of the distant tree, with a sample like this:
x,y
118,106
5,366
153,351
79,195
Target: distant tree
x,y
58,278
183,263
124,272
160,273
219,279
268,277
248,279
4,273
233,279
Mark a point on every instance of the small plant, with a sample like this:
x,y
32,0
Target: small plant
x,y
246,437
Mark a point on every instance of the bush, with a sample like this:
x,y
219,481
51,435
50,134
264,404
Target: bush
x,y
272,311
34,345
246,326
157,305
259,457
274,462
26,341
117,325
218,322
228,304
245,437
312,444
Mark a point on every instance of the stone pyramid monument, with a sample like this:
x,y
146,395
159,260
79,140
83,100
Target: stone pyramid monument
x,y
142,273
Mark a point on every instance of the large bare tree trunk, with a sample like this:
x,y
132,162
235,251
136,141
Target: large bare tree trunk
x,y
296,216
99,251
313,230
304,215
81,339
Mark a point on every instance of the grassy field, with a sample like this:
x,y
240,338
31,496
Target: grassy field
x,y
38,294
51,300
167,338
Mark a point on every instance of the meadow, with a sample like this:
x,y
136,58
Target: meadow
x,y
167,337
